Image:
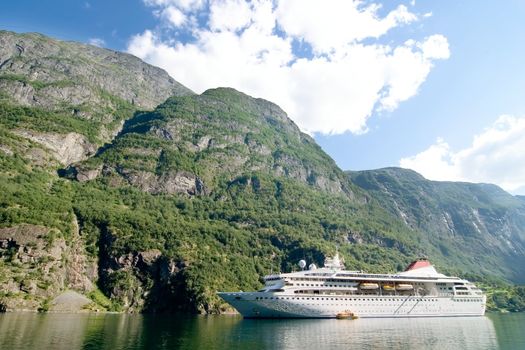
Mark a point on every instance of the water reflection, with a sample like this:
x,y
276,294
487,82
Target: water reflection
x,y
84,331
510,330
32,331
427,333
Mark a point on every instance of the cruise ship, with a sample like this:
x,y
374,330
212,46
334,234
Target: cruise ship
x,y
419,291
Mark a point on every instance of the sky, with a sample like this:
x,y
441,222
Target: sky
x,y
434,86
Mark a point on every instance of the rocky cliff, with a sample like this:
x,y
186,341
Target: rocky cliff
x,y
94,89
38,71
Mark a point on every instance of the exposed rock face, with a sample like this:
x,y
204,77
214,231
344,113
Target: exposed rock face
x,y
81,271
144,280
26,247
41,265
167,183
74,73
6,150
224,133
86,174
90,90
66,148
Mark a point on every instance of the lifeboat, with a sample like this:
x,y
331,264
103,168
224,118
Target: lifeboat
x,y
402,287
368,286
389,287
345,315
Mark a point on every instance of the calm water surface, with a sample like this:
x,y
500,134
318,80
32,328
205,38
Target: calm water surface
x,y
91,331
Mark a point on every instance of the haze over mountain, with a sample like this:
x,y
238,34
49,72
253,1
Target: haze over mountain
x,y
478,220
121,184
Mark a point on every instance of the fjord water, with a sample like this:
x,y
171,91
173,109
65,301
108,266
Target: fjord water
x,y
116,331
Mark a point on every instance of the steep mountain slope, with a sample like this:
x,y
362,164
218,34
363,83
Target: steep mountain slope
x,y
156,210
59,101
192,144
223,188
205,193
44,72
479,222
69,98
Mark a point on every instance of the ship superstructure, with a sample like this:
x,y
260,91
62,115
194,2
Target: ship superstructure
x,y
419,291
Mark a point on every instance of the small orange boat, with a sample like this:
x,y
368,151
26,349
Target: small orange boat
x,y
346,315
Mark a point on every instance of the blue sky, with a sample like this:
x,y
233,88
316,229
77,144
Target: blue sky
x,y
436,86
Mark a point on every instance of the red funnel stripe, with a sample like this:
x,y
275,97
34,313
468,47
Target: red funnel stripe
x,y
418,264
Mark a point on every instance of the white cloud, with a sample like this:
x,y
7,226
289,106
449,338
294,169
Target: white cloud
x,y
497,155
250,46
229,15
435,163
435,47
328,27
408,67
97,42
174,16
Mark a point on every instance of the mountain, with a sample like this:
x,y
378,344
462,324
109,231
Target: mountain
x,y
480,221
217,189
70,97
120,184
195,144
59,102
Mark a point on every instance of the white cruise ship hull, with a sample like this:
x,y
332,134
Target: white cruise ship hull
x,y
272,305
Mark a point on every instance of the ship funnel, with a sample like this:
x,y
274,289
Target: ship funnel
x,y
334,263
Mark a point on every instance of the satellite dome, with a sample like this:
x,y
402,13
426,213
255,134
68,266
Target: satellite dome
x,y
302,264
312,267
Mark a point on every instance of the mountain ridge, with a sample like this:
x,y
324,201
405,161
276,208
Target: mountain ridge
x,y
456,210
